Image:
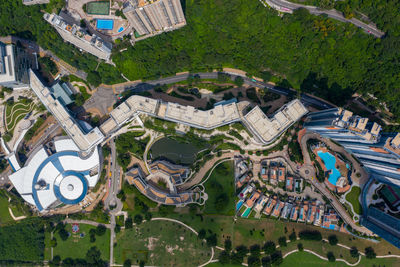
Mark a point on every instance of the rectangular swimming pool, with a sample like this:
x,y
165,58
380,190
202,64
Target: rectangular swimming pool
x,y
105,24
246,213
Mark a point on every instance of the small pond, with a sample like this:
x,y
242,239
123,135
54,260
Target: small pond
x,y
174,151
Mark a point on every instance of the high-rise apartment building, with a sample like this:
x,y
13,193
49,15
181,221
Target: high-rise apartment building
x,y
80,38
14,66
154,17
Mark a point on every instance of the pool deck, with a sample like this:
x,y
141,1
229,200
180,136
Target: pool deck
x,y
339,164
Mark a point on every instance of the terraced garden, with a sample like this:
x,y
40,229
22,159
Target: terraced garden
x,y
15,112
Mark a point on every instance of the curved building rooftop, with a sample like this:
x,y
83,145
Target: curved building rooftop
x,y
57,175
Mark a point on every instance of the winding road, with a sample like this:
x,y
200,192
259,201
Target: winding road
x,y
289,7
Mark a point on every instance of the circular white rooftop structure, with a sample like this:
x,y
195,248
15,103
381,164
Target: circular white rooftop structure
x,y
71,187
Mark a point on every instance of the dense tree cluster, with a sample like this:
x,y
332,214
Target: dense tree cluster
x,y
22,242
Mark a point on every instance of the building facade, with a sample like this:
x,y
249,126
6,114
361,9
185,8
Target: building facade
x,y
154,17
378,152
35,2
14,67
75,35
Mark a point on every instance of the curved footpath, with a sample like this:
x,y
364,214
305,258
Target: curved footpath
x,y
285,6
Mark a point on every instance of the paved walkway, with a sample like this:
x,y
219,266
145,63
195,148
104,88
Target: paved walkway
x,y
203,171
95,224
307,171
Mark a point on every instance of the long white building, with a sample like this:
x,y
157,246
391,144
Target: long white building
x,y
85,141
78,37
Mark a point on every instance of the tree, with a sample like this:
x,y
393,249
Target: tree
x,y
354,252
56,261
63,234
202,234
293,236
138,219
228,245
224,257
148,216
117,228
310,235
79,99
53,242
127,263
128,222
242,250
255,250
239,81
212,240
100,230
253,261
93,257
266,261
282,241
276,258
331,257
370,253
269,247
300,247
333,240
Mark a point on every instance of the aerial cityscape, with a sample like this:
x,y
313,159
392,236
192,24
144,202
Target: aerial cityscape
x,y
199,133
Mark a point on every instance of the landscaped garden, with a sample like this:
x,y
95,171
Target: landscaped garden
x,y
161,243
220,189
76,245
15,112
352,197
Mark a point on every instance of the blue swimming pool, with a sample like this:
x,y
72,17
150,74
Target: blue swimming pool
x,y
246,213
120,29
330,162
105,24
239,205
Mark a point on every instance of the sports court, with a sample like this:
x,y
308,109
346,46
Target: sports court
x,y
98,8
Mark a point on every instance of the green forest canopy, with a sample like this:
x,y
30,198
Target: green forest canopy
x,y
317,54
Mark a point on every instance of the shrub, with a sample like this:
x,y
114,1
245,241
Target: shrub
x,y
138,219
354,252
202,234
224,257
300,247
370,253
282,241
269,247
100,230
310,235
330,256
293,236
228,244
333,240
253,261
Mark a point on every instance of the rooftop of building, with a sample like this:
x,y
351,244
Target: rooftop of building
x,y
84,141
63,176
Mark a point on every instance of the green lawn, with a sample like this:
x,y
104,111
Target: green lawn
x,y
310,260
5,216
161,243
220,189
352,197
76,246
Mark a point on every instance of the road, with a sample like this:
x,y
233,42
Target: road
x,y
284,6
113,203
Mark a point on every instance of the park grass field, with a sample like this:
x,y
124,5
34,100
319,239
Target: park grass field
x,y
310,260
220,182
77,247
161,243
5,216
352,197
